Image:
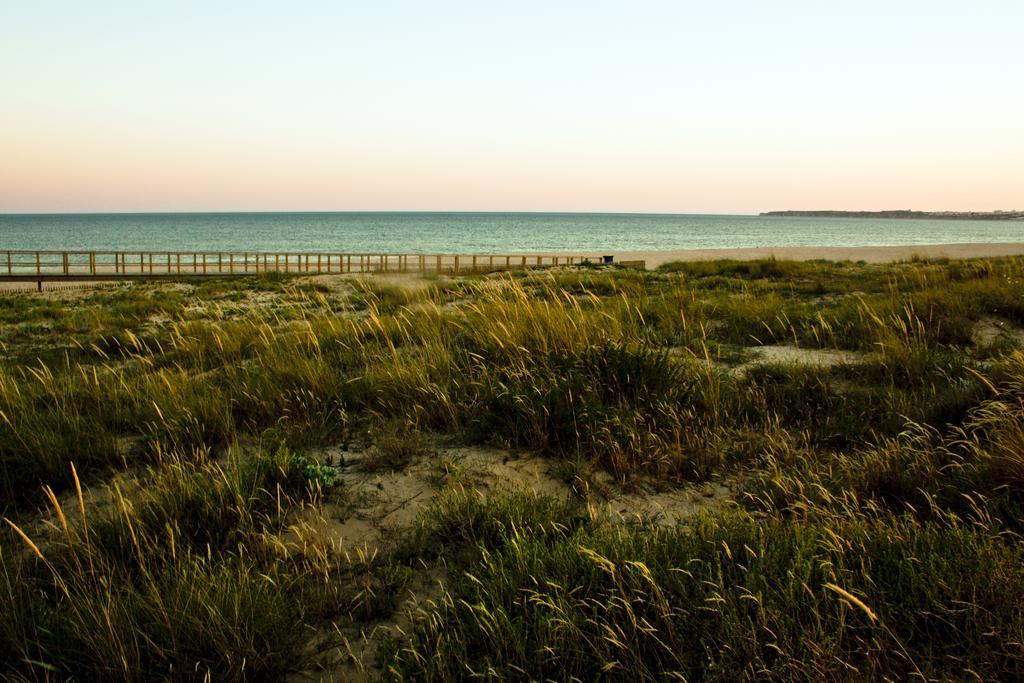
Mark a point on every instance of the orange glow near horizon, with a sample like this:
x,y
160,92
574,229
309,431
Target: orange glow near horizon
x,y
89,175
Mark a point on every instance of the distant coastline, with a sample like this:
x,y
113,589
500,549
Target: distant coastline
x,y
905,213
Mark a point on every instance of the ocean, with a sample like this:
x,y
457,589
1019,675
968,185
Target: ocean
x,y
467,233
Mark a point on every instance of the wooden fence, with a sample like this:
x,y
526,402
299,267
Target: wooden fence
x,y
106,265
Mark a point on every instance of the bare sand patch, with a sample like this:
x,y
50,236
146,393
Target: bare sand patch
x,y
378,507
786,354
990,330
783,353
492,469
651,503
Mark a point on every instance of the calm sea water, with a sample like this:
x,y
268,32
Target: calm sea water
x,y
473,232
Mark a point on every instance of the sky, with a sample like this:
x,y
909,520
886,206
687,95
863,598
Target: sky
x,y
669,107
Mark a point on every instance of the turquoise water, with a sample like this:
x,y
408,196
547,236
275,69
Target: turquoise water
x,y
466,233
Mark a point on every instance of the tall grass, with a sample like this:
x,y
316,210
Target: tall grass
x,y
185,582
544,363
971,469
723,599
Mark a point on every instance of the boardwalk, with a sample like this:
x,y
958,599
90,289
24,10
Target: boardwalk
x,y
40,266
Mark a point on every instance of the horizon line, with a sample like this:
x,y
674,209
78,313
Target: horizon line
x,y
370,211
472,212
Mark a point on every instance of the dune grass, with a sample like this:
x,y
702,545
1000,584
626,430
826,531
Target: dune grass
x,y
545,594
876,533
181,582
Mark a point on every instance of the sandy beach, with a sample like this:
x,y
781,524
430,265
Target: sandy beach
x,y
654,258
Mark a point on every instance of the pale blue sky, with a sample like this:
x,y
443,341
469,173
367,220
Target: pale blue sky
x,y
640,106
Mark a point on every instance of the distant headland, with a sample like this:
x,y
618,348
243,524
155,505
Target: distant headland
x,y
906,213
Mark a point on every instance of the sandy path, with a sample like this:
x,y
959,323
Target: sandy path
x,y
869,254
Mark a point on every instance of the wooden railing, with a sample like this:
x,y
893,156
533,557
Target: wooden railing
x,y
55,265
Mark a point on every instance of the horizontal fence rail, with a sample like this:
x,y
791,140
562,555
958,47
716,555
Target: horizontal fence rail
x,y
59,265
